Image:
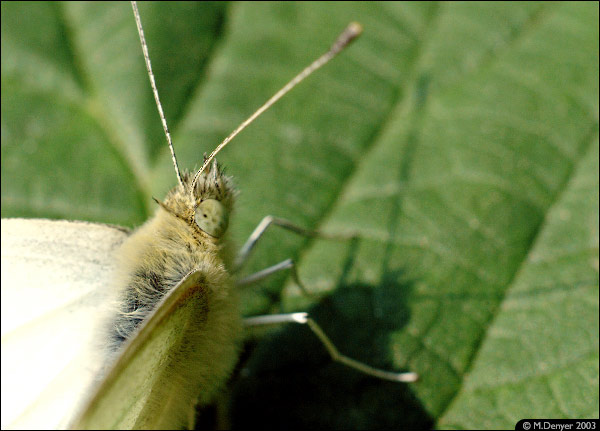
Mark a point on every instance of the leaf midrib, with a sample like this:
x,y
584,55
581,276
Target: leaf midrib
x,y
487,61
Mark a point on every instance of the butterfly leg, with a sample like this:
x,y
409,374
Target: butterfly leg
x,y
244,252
281,266
304,319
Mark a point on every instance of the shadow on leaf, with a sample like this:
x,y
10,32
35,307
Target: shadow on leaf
x,y
290,380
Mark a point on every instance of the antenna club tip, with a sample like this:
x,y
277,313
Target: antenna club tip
x,y
355,28
408,377
352,31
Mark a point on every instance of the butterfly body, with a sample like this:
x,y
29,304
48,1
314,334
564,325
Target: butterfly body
x,y
153,261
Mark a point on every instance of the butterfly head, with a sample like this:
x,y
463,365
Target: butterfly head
x,y
206,204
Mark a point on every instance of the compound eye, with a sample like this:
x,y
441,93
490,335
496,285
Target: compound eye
x,y
212,217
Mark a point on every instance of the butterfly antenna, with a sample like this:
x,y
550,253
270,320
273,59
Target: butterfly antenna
x,y
348,35
138,22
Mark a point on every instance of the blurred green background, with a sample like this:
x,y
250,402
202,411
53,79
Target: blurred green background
x,y
459,139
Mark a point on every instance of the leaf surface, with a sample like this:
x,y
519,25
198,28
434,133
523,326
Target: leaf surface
x,y
460,141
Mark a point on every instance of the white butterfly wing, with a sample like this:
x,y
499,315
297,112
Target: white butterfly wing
x,y
55,284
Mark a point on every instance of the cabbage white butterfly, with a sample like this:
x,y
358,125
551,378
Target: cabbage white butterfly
x,y
57,271
207,212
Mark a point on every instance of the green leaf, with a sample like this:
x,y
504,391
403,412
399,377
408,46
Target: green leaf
x,y
459,140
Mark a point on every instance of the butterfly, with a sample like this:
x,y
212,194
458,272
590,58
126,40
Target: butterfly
x,y
202,200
